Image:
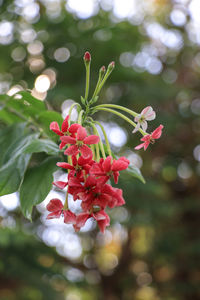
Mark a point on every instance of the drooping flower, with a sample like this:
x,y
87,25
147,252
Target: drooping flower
x,y
107,168
56,208
150,138
101,217
65,129
79,167
79,143
147,114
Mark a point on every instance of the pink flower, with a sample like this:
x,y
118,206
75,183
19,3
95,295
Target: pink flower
x,y
107,168
79,166
147,114
101,217
150,138
65,129
56,208
79,143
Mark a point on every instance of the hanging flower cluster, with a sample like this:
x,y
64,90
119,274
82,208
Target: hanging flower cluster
x,y
90,163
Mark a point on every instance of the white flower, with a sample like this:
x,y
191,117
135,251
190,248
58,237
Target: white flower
x,y
147,114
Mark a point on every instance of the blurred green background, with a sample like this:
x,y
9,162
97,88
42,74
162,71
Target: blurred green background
x,y
151,251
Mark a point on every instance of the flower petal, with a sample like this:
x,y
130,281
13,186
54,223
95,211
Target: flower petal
x,y
65,165
60,184
65,124
68,139
69,217
156,134
81,133
146,144
85,151
107,164
72,150
54,205
62,145
81,219
151,116
139,146
119,165
90,140
74,127
55,214
136,128
144,125
147,110
55,128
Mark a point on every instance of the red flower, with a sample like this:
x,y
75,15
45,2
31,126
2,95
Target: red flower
x,y
101,217
79,166
107,168
150,138
78,190
56,208
65,129
79,143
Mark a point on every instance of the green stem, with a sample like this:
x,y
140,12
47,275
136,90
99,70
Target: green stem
x,y
121,116
87,83
71,108
80,117
93,151
66,202
106,138
129,111
108,72
97,86
100,141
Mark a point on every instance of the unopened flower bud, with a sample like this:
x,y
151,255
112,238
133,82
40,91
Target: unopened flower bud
x,y
87,57
111,66
102,71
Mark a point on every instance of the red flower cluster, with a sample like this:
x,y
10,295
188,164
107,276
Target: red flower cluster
x,y
87,179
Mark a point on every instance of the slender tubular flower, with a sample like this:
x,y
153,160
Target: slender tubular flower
x,y
107,168
80,142
65,129
150,138
56,209
147,114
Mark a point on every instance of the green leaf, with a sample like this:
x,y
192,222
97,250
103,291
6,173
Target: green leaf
x,y
13,159
9,136
29,99
45,118
39,145
11,174
8,117
36,185
82,100
135,172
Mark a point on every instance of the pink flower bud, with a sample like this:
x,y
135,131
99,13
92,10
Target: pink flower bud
x,y
102,70
111,66
87,57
